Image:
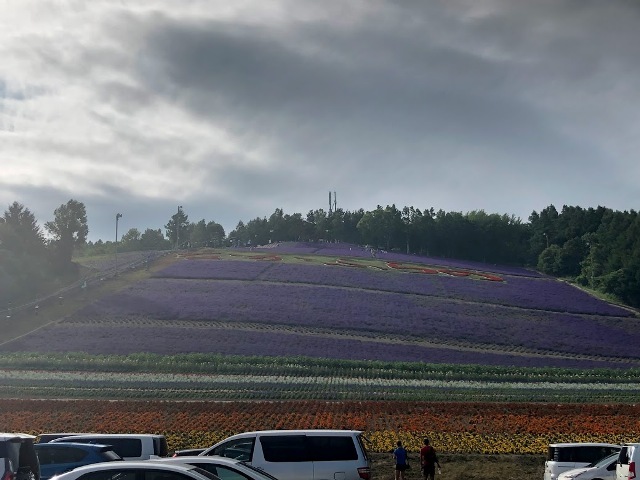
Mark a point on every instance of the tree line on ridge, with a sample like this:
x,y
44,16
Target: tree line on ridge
x,y
597,248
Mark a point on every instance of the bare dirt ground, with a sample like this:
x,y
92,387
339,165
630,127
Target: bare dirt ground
x,y
465,467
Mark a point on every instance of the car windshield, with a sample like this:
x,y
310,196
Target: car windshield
x,y
257,470
605,461
204,473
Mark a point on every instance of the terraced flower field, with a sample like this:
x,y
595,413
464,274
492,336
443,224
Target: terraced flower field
x,y
289,301
471,427
482,358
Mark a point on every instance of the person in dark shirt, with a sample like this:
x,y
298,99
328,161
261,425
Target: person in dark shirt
x,y
428,461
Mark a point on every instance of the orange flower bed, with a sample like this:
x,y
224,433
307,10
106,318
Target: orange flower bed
x,y
456,427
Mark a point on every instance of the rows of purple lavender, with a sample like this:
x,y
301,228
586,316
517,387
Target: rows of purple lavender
x,y
530,293
215,269
176,340
371,311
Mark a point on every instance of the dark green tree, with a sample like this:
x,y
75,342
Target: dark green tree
x,y
68,230
130,241
22,233
177,229
154,240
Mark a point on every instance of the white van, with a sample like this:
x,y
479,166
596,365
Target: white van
x,y
626,468
130,446
567,456
300,454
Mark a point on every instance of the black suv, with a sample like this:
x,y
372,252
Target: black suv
x,y
18,458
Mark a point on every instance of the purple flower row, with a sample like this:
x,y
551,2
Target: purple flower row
x,y
351,309
174,340
532,293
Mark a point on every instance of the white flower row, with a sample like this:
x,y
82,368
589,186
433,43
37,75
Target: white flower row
x,y
203,379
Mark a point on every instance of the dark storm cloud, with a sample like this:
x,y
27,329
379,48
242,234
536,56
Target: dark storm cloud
x,y
459,104
368,98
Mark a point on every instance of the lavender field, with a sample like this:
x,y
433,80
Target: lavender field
x,y
295,304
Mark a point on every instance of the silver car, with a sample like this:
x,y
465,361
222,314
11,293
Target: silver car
x,y
604,469
223,468
136,470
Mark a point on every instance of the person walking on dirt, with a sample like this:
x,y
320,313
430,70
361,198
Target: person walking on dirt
x,y
400,457
428,461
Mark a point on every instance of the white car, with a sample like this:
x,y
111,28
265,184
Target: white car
x,y
604,469
221,467
562,457
136,470
310,454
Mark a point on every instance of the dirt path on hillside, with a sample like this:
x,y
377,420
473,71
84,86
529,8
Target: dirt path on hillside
x,y
55,309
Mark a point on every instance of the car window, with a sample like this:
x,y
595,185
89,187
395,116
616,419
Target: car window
x,y
11,451
259,473
164,475
110,455
125,447
582,454
605,461
222,472
284,448
625,455
204,473
123,474
64,455
239,449
160,446
331,448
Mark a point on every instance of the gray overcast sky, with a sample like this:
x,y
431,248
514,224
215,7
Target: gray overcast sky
x,y
235,108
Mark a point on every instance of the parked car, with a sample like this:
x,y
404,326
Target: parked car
x,y
56,458
48,437
130,446
136,470
300,454
188,452
604,469
628,458
224,468
18,458
567,456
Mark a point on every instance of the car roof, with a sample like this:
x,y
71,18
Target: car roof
x,y
132,464
310,430
198,458
296,432
584,444
112,435
93,446
13,436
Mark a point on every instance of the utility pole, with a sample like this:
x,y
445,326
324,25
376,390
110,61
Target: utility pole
x,y
118,217
178,221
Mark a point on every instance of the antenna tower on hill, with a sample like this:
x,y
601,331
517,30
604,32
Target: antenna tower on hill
x,y
333,205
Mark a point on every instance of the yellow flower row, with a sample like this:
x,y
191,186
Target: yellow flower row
x,y
385,440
